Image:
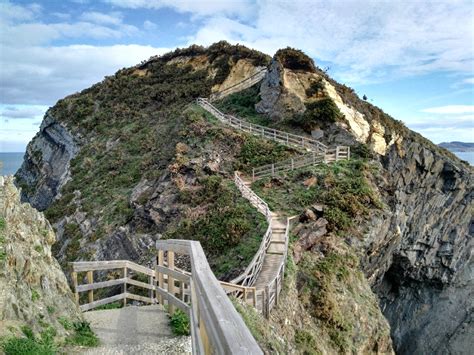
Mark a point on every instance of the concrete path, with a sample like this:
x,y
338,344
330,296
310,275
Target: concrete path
x,y
135,330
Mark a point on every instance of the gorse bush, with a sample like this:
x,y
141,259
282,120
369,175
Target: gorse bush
x,y
295,59
319,113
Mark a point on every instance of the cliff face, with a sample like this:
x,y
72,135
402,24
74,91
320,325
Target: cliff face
x,y
46,166
33,289
416,252
128,161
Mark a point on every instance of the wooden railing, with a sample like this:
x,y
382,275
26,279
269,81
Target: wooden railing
x,y
298,162
272,290
248,277
285,138
216,327
127,269
244,84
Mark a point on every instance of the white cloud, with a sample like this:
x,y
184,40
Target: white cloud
x,y
240,8
42,75
369,41
114,18
468,80
450,109
149,25
22,111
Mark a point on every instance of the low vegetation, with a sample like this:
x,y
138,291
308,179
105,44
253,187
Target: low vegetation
x,y
341,187
179,323
3,253
319,113
295,59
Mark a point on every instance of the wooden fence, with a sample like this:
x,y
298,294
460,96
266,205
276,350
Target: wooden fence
x,y
216,327
246,83
248,277
298,162
285,138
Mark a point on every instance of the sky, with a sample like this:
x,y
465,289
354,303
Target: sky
x,y
414,59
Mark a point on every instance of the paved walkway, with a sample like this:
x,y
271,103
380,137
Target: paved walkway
x,y
135,330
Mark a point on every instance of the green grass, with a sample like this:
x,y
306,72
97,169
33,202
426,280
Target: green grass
x,y
179,323
230,230
35,296
113,305
342,187
83,335
30,344
3,253
242,104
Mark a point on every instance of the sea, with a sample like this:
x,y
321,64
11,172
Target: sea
x,y
10,162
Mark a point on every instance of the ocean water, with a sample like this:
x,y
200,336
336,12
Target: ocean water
x,y
467,156
10,162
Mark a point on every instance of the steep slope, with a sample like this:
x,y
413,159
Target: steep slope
x,y
417,250
35,299
137,163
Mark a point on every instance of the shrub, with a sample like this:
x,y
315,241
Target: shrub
x,y
320,112
83,335
295,59
179,322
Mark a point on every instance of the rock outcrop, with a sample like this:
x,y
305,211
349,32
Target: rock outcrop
x,y
46,166
33,289
135,177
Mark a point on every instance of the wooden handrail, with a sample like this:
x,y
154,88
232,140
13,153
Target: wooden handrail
x,y
246,83
282,137
216,326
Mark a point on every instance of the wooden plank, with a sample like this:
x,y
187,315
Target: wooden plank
x,y
139,298
171,279
124,289
81,266
175,274
133,282
173,300
160,275
90,280
92,305
97,285
140,268
74,284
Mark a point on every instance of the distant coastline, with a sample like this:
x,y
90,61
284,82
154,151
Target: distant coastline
x,y
10,162
458,146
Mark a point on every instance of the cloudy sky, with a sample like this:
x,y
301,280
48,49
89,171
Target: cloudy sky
x,y
414,59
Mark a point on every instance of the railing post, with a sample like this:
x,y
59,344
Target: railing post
x,y
273,169
253,174
314,158
170,280
292,164
302,142
287,139
90,280
255,297
348,153
124,289
74,283
266,305
160,275
150,281
337,153
263,132
276,290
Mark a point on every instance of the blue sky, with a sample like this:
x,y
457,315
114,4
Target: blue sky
x,y
414,59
